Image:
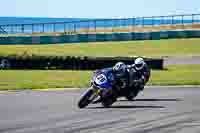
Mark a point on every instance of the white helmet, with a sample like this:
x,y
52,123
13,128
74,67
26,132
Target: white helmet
x,y
139,63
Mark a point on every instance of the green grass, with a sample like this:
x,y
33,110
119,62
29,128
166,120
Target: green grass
x,y
41,79
177,75
154,48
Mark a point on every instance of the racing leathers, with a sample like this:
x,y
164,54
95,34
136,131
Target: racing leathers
x,y
138,78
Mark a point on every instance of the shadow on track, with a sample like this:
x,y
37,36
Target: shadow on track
x,y
126,107
154,100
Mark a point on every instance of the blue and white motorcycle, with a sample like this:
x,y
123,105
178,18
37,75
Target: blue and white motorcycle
x,y
101,89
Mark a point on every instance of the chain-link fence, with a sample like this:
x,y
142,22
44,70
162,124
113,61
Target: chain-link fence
x,y
138,24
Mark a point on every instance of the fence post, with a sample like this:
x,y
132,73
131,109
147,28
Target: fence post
x,y
104,27
22,28
43,28
162,20
182,16
133,24
11,27
54,27
88,27
32,28
64,27
95,26
152,21
125,24
192,18
112,25
142,21
74,28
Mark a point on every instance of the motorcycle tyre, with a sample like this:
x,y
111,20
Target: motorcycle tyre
x,y
132,97
84,101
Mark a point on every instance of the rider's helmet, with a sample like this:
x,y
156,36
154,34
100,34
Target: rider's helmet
x,y
139,63
119,69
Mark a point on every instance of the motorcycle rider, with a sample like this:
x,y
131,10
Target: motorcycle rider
x,y
136,74
118,75
133,77
120,71
142,73
119,78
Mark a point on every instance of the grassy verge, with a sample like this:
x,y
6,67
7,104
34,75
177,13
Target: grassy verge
x,y
177,75
38,79
42,79
154,48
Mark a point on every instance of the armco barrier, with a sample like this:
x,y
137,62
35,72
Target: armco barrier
x,y
83,37
45,40
142,36
121,36
72,39
155,35
92,37
100,37
164,35
73,63
35,40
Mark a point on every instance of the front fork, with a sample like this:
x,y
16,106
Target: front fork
x,y
96,93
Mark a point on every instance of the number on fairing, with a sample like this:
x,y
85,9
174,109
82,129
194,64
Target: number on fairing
x,y
101,79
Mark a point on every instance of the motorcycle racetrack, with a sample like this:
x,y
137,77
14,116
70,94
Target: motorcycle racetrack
x,y
156,110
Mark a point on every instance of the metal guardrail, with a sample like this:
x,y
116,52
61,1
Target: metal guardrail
x,y
99,25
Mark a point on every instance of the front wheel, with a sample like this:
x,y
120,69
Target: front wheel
x,y
85,99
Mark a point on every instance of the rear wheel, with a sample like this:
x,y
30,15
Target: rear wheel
x,y
85,99
132,96
107,102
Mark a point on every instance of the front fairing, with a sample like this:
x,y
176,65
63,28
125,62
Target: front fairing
x,y
103,79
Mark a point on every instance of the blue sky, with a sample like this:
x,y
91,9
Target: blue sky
x,y
97,8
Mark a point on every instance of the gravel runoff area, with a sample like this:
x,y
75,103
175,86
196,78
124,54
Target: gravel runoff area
x,y
156,110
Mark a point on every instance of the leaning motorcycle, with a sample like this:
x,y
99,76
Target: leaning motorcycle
x,y
101,88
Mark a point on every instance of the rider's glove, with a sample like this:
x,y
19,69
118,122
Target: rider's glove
x,y
139,81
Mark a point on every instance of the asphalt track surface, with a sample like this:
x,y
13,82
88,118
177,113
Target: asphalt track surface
x,y
156,110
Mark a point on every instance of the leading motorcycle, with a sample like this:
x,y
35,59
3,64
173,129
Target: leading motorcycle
x,y
101,89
